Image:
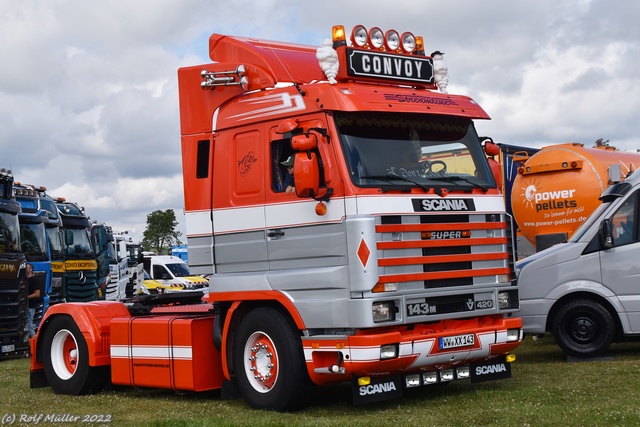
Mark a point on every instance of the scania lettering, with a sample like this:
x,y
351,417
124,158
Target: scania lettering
x,y
377,388
492,369
332,277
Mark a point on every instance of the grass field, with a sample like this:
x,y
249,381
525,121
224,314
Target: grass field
x,y
546,390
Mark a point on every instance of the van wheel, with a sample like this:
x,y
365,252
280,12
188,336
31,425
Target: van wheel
x,y
583,328
269,362
66,360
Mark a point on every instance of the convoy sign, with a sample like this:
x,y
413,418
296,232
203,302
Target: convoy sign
x,y
369,63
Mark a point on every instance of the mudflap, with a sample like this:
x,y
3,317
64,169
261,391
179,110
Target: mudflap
x,y
488,370
378,390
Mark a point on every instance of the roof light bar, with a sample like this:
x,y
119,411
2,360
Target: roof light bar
x,y
375,38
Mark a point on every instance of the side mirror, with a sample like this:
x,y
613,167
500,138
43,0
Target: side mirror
x,y
606,233
307,174
68,237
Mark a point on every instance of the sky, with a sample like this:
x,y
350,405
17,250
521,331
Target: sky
x,y
89,102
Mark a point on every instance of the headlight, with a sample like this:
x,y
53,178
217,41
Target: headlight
x,y
504,300
513,335
389,351
383,311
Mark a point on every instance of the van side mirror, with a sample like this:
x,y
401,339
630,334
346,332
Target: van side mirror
x,y
606,233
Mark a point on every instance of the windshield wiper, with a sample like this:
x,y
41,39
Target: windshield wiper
x,y
453,178
388,177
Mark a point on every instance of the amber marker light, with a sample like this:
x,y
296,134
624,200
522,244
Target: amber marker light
x,y
321,209
419,50
338,36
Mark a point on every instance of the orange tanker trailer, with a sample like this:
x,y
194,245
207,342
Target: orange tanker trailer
x,y
557,188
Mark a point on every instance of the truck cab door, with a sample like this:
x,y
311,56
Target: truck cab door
x,y
297,235
619,266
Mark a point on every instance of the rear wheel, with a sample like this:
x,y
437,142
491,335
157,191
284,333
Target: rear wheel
x,y
269,362
583,328
66,359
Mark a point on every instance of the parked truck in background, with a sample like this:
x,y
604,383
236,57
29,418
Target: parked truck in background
x,y
14,334
388,266
33,240
102,241
118,268
53,228
557,187
136,269
585,291
81,267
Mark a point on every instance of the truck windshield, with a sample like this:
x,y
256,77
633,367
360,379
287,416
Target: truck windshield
x,y
178,269
55,243
33,241
81,247
413,150
9,233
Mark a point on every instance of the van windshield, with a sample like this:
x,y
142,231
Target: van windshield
x,y
593,218
178,269
412,150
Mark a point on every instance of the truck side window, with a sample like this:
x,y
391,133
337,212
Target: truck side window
x,y
280,151
624,222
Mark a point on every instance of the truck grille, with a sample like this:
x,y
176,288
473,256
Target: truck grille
x,y
81,288
13,310
436,251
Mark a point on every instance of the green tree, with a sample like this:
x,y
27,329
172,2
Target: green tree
x,y
161,232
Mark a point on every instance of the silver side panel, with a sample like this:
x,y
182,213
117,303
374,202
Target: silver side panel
x,y
200,254
241,252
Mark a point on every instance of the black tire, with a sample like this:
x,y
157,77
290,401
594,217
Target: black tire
x,y
66,360
267,342
583,328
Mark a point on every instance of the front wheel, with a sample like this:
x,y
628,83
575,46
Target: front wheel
x,y
269,362
66,359
583,328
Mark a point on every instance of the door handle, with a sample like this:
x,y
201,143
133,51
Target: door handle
x,y
275,233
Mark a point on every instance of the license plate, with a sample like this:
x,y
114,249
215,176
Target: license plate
x,y
457,341
8,348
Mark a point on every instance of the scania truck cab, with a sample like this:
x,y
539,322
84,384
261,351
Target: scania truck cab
x,y
387,264
14,333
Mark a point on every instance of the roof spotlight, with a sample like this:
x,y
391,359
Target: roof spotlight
x,y
391,40
408,42
376,37
359,36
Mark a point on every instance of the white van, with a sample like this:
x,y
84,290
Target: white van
x,y
586,292
172,271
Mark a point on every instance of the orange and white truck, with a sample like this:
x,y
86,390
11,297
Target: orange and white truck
x,y
389,265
